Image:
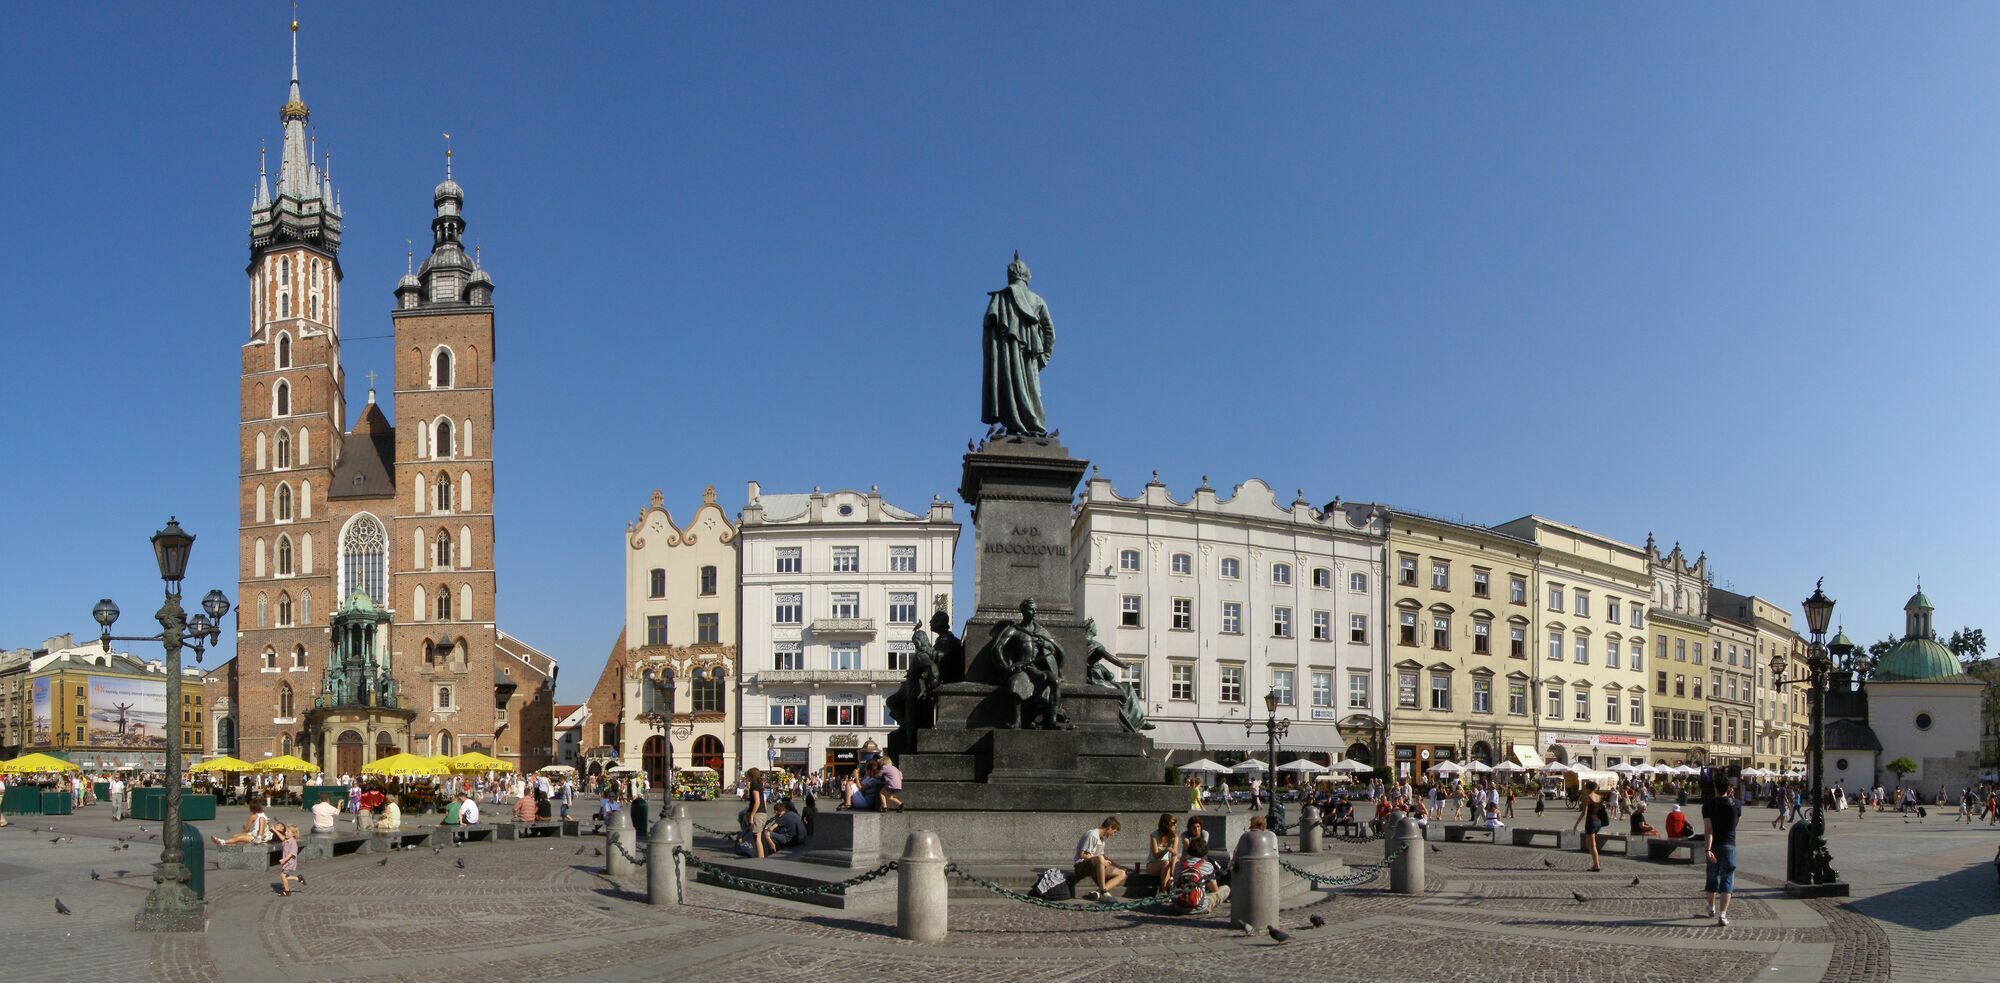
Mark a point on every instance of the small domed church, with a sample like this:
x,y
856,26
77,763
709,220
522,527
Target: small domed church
x,y
1918,703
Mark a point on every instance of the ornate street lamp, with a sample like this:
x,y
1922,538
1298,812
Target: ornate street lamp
x,y
662,717
1808,863
172,906
1274,728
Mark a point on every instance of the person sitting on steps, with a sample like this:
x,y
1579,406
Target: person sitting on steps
x,y
1092,864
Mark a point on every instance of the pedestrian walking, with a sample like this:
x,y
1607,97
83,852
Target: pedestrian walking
x,y
288,858
116,787
1592,816
1718,822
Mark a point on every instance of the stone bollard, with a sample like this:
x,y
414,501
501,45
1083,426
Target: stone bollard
x,y
1253,881
663,866
922,901
1406,871
1309,831
618,833
685,824
1395,820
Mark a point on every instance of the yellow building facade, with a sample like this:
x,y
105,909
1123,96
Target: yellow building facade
x,y
101,709
1680,636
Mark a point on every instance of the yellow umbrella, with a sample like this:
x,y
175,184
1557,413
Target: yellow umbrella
x,y
475,761
287,762
224,763
31,764
401,764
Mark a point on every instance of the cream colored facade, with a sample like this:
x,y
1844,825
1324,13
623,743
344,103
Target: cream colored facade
x,y
680,624
1732,656
1590,606
1680,658
1777,714
1460,630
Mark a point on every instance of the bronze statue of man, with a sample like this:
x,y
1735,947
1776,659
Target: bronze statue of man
x,y
1032,660
1131,712
1019,338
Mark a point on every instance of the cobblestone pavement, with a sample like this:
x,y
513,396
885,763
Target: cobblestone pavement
x,y
1925,905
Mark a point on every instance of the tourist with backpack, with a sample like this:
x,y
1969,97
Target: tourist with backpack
x,y
1195,888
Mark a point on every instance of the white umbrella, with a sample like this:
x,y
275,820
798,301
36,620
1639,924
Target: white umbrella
x,y
1302,765
1623,769
1351,766
1250,765
1478,766
1555,767
1508,766
559,768
1203,766
1449,768
703,769
1687,770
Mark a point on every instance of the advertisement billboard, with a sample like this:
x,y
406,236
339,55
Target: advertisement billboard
x,y
41,716
127,712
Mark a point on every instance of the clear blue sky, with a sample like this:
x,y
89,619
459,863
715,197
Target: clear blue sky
x,y
1726,274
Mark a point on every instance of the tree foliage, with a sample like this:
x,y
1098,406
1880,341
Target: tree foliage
x,y
1902,767
1967,644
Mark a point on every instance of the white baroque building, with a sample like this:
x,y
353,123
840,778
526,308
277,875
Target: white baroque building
x,y
833,585
1214,602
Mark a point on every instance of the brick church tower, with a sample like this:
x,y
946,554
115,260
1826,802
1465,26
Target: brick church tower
x,y
366,625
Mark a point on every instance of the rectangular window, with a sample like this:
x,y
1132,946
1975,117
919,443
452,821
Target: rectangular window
x,y
846,559
1517,641
1554,698
1232,618
1181,681
657,583
786,656
1440,691
1555,646
1357,582
1694,687
1128,611
1582,650
1357,691
1611,653
1440,632
1357,628
1660,683
1482,644
902,607
1281,684
1555,597
1582,604
1697,727
846,604
1715,686
656,629
788,715
1406,571
1183,614
902,559
1582,705
1680,650
1323,578
1482,583
1440,575
1281,622
1638,615
1322,626
1407,628
1231,688
1659,725
1281,574
843,655
1406,688
1680,684
1128,560
847,715
708,581
791,559
707,629
1232,568
1134,673
1639,653
1517,699
788,609
1611,612
1183,564
1517,590
1482,694
1610,708
1322,689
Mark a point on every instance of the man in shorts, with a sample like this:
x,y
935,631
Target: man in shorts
x,y
1719,816
1092,864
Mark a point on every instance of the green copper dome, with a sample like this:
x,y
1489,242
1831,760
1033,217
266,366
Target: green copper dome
x,y
1919,601
1914,659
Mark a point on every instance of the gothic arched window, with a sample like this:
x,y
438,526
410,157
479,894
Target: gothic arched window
x,y
270,658
442,442
443,548
282,404
285,271
444,604
441,377
284,699
363,549
284,556
443,492
284,610
284,501
284,443
284,351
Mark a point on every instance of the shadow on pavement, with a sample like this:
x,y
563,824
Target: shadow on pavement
x,y
1937,904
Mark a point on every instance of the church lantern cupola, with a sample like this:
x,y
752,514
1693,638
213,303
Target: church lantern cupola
x,y
448,277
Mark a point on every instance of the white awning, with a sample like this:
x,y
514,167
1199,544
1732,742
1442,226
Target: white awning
x,y
1304,738
1175,735
1529,757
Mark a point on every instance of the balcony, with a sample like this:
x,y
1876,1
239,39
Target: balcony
x,y
843,626
793,677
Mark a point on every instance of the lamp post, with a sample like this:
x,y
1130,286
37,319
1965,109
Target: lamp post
x,y
1274,728
172,906
663,718
1808,863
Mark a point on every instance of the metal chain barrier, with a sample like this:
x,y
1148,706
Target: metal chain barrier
x,y
639,861
1360,875
1133,905
779,890
712,831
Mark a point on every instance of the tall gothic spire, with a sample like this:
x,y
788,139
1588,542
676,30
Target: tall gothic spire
x,y
302,208
295,161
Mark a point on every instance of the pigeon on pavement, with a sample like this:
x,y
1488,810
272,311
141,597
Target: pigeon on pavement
x,y
61,909
1278,935
1434,848
1317,921
1578,895
384,862
460,863
1546,862
579,851
93,875
60,839
1635,882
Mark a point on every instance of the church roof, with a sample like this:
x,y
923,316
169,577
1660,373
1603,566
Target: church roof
x,y
367,456
1851,735
1916,659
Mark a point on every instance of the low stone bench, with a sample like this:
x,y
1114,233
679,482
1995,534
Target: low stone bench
x,y
1526,837
246,856
326,846
540,827
481,832
1458,832
400,839
1670,851
1623,840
